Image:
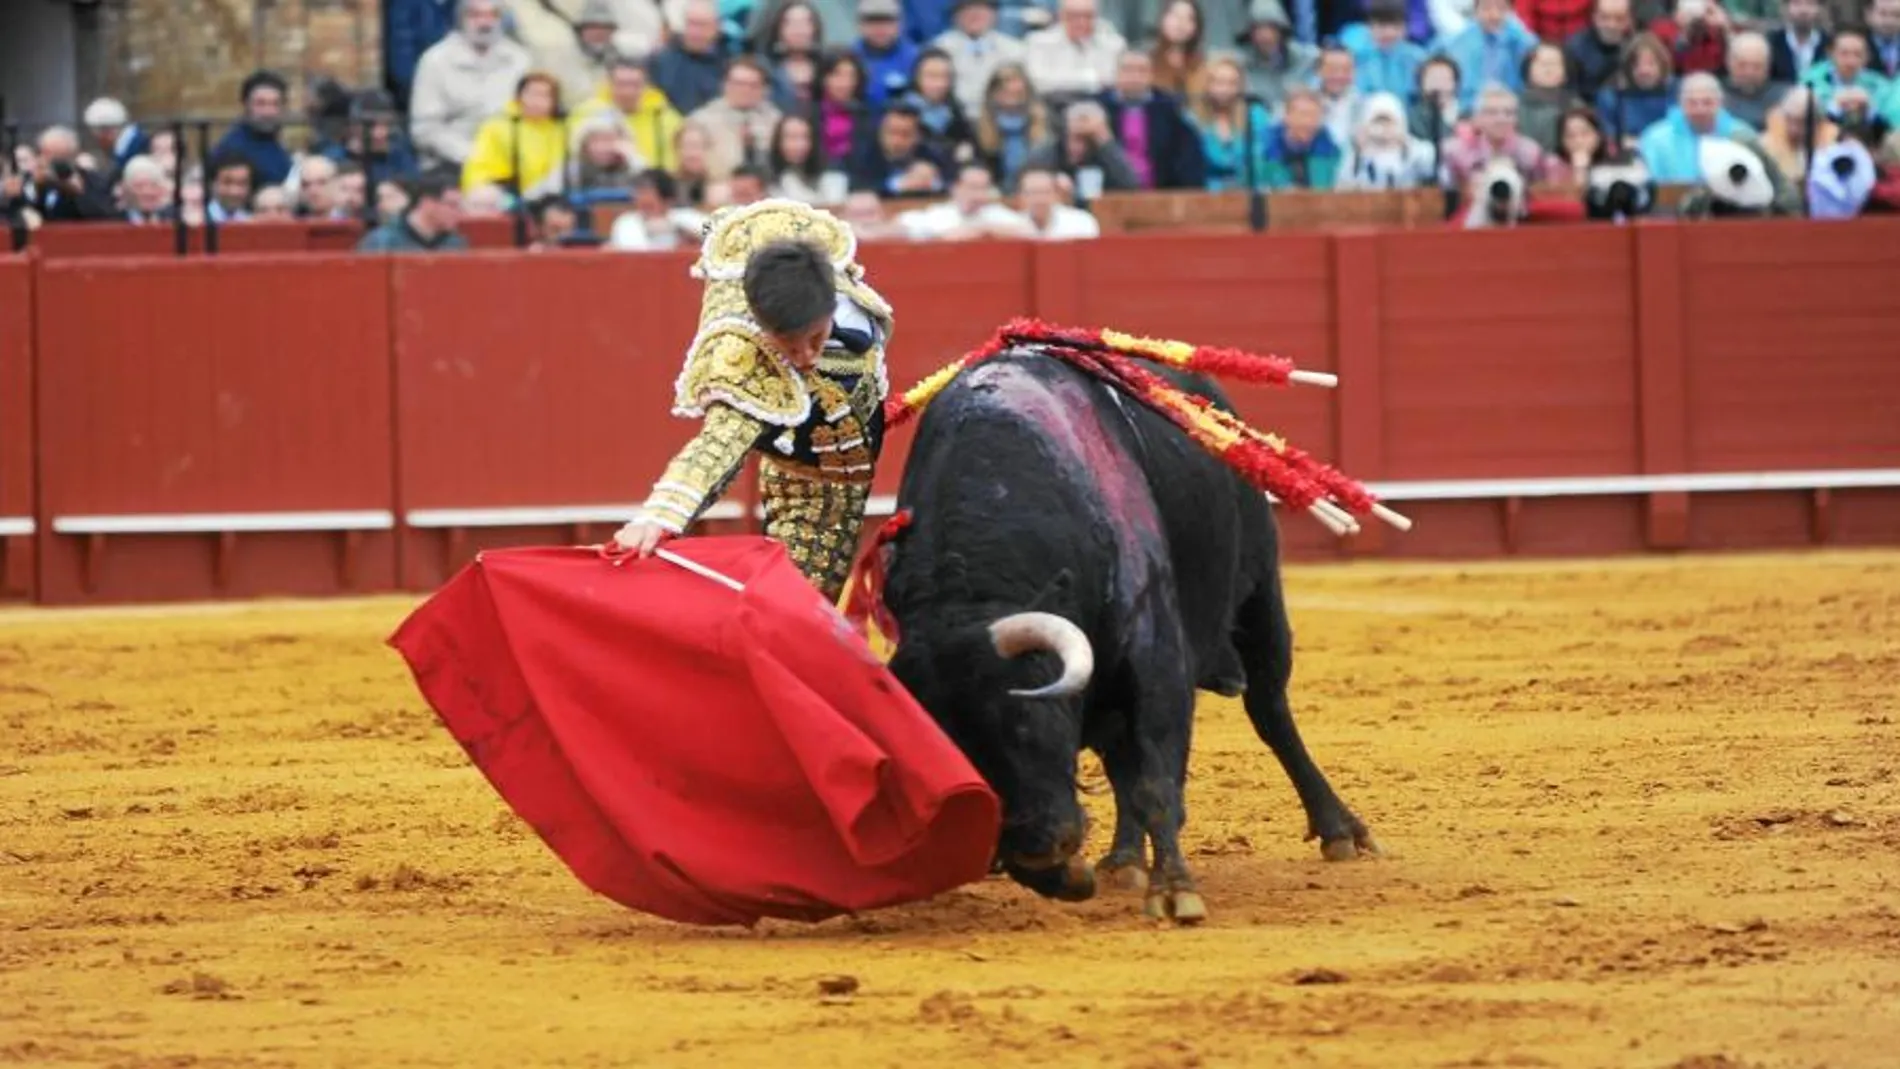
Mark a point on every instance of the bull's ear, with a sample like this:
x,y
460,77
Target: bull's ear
x,y
1057,587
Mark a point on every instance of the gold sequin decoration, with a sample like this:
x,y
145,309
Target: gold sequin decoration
x,y
818,521
708,463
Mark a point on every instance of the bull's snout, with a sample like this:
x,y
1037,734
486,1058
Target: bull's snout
x,y
1060,872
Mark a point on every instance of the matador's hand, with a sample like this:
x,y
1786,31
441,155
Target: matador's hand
x,y
640,537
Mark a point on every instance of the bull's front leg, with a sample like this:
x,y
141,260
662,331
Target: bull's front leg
x,y
1163,726
1125,866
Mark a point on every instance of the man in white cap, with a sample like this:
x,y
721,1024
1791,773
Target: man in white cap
x,y
112,128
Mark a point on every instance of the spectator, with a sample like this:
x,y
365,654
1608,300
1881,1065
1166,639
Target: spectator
x,y
233,180
1154,133
837,24
1179,62
1546,96
1642,92
865,213
844,121
742,119
1883,38
1554,21
972,211
1758,15
1227,125
1784,136
925,19
789,44
461,81
1493,133
690,69
256,136
1388,63
552,223
604,156
164,152
580,57
1049,219
1670,147
1582,145
898,163
316,189
886,54
392,199
1435,111
57,188
1799,43
747,185
1848,91
1596,54
486,201
113,130
273,204
657,222
388,152
1339,94
147,192
1275,61
1747,90
932,94
427,223
692,153
797,167
1301,153
1012,122
1077,56
352,189
1384,154
1490,51
1696,33
976,49
650,122
530,133
1085,152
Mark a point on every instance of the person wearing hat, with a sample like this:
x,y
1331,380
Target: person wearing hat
x,y
976,48
1274,59
886,53
112,128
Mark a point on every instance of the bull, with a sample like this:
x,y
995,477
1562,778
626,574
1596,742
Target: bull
x,y
1075,567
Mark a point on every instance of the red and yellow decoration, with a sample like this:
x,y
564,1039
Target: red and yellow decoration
x,y
1265,460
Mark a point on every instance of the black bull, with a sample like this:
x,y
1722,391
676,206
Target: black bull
x,y
1063,530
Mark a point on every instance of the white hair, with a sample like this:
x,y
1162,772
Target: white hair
x,y
1748,41
1700,80
58,133
144,167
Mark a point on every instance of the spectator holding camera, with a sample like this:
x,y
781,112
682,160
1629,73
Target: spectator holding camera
x,y
1696,33
1671,148
57,189
1493,134
1847,89
1086,153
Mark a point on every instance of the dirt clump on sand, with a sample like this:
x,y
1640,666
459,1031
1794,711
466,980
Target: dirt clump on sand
x,y
1639,813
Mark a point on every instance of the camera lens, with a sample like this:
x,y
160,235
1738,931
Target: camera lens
x,y
1500,190
1843,167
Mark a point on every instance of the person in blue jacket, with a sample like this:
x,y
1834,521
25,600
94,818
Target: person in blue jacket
x,y
257,136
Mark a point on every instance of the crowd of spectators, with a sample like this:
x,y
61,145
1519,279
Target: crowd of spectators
x,y
673,107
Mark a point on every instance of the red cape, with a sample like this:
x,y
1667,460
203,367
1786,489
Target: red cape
x,y
708,756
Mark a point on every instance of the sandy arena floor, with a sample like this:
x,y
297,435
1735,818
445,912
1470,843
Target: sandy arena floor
x,y
1641,813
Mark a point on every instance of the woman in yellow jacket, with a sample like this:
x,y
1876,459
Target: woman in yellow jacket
x,y
536,112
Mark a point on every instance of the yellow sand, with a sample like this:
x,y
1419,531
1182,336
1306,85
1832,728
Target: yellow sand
x,y
1641,813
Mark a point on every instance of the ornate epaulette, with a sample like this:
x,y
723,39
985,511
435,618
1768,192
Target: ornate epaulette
x,y
730,362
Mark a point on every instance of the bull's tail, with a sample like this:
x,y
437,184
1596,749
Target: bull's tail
x,y
864,593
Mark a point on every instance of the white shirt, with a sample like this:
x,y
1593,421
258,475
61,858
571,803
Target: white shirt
x,y
940,220
1066,224
631,232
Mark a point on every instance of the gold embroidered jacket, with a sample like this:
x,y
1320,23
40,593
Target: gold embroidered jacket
x,y
826,423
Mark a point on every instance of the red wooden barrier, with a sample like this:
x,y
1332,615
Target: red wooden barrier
x,y
214,426
16,428
1577,390
541,384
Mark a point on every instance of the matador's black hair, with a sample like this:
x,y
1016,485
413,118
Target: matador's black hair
x,y
789,285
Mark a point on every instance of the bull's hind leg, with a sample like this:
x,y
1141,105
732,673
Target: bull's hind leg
x,y
1265,639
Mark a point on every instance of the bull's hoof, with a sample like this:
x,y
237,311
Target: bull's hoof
x,y
1361,845
1180,906
1125,878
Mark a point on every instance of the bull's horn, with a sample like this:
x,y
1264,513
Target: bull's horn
x,y
1023,632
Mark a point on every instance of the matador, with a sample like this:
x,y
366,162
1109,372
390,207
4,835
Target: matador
x,y
788,361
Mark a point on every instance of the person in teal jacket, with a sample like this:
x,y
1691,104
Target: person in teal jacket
x,y
1219,118
1670,148
1844,82
1300,153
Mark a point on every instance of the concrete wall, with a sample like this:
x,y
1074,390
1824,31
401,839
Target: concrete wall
x,y
38,74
